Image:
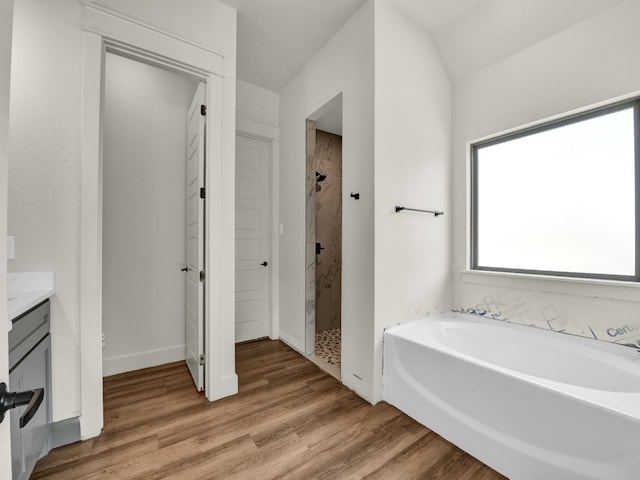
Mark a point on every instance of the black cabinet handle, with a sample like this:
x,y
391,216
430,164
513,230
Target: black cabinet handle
x,y
264,264
9,400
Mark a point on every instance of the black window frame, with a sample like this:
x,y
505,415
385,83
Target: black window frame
x,y
551,125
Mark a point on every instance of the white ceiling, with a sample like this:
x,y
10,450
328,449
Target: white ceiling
x,y
276,38
491,30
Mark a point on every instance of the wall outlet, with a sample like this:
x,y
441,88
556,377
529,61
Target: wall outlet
x,y
11,248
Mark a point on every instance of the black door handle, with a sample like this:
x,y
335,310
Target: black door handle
x,y
31,398
264,264
184,269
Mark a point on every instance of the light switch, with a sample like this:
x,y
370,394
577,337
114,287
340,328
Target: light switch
x,y
11,248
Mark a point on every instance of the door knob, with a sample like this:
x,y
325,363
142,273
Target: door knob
x,y
9,400
264,264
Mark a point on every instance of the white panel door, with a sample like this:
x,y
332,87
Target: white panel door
x,y
252,238
195,237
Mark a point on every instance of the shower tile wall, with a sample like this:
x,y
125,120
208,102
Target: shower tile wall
x,y
328,230
310,255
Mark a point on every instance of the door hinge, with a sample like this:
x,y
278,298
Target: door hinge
x,y
203,192
203,110
201,359
202,275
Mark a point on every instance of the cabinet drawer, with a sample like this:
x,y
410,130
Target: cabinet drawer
x,y
27,330
28,444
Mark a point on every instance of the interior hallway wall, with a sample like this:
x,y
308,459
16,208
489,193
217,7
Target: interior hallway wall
x,y
591,62
144,169
344,65
396,149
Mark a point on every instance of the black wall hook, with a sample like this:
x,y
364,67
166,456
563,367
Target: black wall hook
x,y
355,195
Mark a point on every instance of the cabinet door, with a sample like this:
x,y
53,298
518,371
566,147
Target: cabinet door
x,y
29,443
17,450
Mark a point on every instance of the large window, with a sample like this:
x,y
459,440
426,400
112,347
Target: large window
x,y
560,199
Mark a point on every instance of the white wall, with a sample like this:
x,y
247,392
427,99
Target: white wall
x,y
257,104
144,191
344,64
396,151
588,63
45,174
6,23
412,169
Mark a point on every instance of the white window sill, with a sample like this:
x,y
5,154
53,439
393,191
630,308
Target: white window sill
x,y
584,287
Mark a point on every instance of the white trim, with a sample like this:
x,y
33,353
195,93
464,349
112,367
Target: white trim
x,y
127,51
114,13
275,239
581,287
153,42
252,126
220,256
136,361
91,421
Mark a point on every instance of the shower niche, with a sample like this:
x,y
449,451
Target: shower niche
x,y
324,237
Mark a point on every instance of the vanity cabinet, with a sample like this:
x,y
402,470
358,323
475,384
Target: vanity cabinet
x,y
29,369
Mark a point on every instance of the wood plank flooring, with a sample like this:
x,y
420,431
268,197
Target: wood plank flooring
x,y
290,420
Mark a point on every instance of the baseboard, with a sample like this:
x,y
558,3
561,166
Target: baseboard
x,y
225,387
136,361
292,342
65,432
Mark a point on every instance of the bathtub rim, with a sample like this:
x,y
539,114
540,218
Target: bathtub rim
x,y
515,460
626,404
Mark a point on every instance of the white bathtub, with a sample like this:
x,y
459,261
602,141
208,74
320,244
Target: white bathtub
x,y
530,403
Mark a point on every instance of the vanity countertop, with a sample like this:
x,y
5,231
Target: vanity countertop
x,y
25,290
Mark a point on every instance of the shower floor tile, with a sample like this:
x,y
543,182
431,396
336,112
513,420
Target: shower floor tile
x,y
328,346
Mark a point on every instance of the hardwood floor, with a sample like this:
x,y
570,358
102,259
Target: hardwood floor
x,y
290,420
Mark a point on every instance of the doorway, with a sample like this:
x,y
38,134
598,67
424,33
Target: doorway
x,y
144,214
324,238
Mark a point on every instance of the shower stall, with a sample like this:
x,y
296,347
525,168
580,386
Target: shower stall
x,y
324,247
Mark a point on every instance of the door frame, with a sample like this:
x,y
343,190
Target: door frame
x,y
6,29
270,134
105,31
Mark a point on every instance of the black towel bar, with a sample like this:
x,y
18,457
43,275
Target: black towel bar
x,y
435,213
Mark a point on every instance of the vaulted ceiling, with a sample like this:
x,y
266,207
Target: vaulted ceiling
x,y
276,38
